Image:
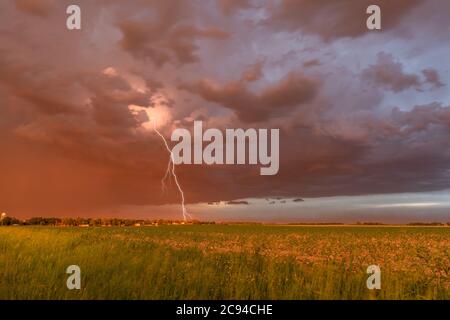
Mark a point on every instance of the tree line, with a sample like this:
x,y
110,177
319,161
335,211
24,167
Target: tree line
x,y
120,222
92,222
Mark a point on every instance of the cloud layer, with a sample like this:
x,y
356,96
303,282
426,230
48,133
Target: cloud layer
x,y
359,112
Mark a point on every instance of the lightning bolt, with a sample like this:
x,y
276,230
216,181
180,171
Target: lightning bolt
x,y
166,176
171,172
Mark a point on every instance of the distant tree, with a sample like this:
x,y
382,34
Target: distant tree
x,y
129,223
426,224
68,221
9,221
53,221
35,221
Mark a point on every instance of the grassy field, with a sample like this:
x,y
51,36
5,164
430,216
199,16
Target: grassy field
x,y
225,262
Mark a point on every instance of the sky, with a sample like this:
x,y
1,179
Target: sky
x,y
364,116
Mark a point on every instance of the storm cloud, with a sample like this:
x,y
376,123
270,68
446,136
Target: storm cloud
x,y
358,112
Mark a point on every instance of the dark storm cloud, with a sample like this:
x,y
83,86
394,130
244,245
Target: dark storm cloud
x,y
389,74
290,92
165,36
422,118
144,41
70,143
236,202
432,77
331,20
254,72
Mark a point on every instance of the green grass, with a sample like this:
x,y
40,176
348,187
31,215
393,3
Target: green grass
x,y
225,262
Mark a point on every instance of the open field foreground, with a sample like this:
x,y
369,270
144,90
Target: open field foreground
x,y
225,262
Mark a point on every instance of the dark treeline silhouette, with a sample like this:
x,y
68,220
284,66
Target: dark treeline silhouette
x,y
370,223
92,222
119,222
9,221
315,224
428,224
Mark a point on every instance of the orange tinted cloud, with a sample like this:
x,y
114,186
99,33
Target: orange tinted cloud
x,y
351,120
